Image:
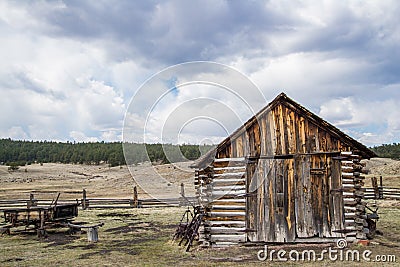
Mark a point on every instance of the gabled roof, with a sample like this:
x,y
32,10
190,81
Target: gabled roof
x,y
284,99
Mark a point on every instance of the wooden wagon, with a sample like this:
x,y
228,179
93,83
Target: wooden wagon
x,y
39,217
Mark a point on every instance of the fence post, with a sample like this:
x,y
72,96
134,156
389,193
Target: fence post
x,y
374,183
32,202
182,197
380,188
135,197
380,192
85,202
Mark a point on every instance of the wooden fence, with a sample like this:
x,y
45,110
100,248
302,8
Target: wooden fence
x,y
382,193
87,202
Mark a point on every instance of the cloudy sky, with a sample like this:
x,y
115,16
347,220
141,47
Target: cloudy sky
x,y
69,69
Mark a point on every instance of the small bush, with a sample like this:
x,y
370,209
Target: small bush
x,y
13,167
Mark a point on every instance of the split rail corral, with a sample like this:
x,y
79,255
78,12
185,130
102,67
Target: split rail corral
x,y
87,202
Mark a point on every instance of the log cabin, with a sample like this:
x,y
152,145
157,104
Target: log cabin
x,y
285,176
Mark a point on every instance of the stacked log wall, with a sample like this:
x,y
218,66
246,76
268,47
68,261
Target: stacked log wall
x,y
356,226
221,191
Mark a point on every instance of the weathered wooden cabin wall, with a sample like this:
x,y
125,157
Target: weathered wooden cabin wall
x,y
294,177
294,197
281,130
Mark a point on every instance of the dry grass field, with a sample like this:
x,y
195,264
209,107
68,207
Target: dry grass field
x,y
142,237
100,181
387,168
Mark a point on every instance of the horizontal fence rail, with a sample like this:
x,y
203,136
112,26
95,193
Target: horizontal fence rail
x,y
112,203
86,202
382,193
100,203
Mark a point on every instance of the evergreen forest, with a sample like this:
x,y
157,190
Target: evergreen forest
x,y
17,152
20,153
388,150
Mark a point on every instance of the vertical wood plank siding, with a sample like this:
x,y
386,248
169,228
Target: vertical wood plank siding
x,y
282,132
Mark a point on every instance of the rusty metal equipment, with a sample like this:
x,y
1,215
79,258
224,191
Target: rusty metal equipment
x,y
372,219
183,224
191,231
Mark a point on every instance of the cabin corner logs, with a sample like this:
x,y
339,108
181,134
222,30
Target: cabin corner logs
x,y
285,176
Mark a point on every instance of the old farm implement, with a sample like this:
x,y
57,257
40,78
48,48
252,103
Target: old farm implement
x,y
40,217
188,228
183,224
189,232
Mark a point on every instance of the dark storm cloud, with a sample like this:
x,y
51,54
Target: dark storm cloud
x,y
97,19
169,32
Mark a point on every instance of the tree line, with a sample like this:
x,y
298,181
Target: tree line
x,y
17,152
388,150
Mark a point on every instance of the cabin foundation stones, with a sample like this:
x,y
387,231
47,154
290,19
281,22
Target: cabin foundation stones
x,y
285,176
